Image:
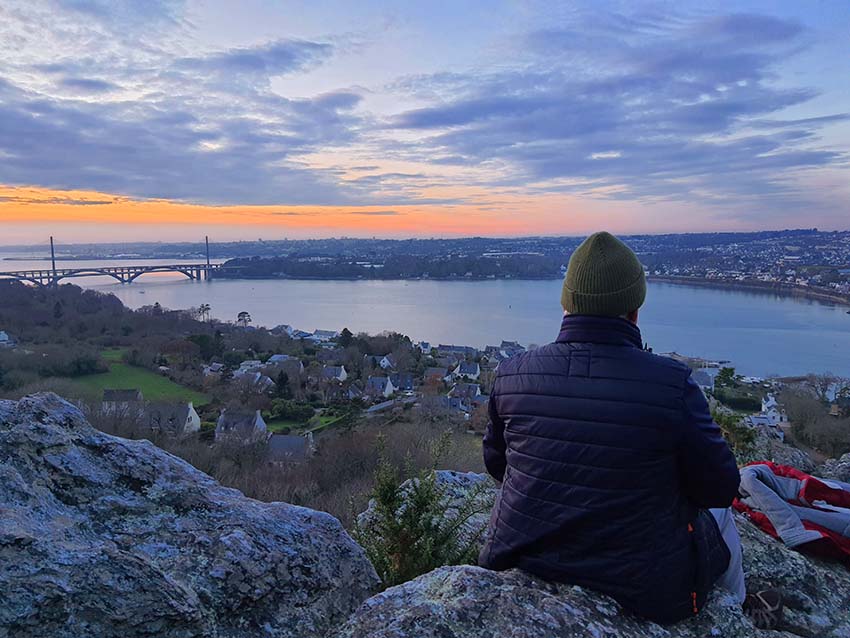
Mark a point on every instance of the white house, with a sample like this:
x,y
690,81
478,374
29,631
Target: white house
x,y
6,340
770,409
467,370
176,419
277,358
387,362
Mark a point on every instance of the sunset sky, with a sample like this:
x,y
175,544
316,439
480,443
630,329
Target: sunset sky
x,y
171,120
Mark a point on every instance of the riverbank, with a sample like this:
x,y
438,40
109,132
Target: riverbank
x,y
777,288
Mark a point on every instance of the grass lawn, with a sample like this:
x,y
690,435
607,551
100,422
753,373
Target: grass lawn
x,y
279,424
154,387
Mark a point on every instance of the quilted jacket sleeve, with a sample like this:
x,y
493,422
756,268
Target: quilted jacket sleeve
x,y
494,443
707,466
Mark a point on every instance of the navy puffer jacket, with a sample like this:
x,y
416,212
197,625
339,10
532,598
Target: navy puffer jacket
x,y
608,454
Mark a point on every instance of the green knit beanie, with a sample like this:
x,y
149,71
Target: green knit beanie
x,y
604,278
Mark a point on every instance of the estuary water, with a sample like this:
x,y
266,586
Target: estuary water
x,y
759,332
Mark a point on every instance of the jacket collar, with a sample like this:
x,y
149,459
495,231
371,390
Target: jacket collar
x,y
596,329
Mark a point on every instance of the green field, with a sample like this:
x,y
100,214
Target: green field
x,y
154,387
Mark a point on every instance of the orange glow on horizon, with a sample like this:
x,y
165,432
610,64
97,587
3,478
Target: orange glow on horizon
x,y
482,213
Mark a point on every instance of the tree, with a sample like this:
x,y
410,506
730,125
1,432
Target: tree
x,y
345,338
726,377
243,319
204,311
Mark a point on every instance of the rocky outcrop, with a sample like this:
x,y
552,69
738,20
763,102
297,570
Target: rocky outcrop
x,y
768,448
837,469
470,602
100,536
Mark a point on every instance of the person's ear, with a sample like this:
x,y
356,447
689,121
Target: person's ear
x,y
633,316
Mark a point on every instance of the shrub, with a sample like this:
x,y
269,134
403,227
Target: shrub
x,y
407,532
739,437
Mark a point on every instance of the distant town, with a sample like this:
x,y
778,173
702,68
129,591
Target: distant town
x,y
806,261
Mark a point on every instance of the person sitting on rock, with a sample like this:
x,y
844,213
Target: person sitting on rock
x,y
614,475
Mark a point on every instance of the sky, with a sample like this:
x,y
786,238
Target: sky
x,y
173,119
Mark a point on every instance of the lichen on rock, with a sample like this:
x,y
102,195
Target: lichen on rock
x,y
101,536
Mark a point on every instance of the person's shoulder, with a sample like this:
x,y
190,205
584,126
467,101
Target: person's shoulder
x,y
664,365
541,356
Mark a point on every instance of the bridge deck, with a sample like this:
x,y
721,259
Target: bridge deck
x,y
124,274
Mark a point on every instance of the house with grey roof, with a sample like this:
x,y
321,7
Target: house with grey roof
x,y
240,427
465,390
283,449
402,381
334,373
176,418
379,387
467,370
125,402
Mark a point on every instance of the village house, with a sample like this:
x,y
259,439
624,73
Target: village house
x,y
175,418
240,427
453,404
283,449
277,358
213,369
465,390
354,391
770,409
424,347
335,373
260,381
379,387
6,340
402,381
511,348
122,402
323,335
457,351
387,362
467,370
293,368
250,365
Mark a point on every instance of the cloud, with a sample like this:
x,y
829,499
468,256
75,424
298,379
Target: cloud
x,y
87,85
635,107
274,58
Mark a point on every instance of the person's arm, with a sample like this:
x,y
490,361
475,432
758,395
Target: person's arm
x,y
494,443
707,466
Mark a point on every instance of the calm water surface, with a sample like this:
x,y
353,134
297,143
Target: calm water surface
x,y
760,333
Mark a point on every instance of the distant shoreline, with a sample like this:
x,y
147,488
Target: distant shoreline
x,y
778,288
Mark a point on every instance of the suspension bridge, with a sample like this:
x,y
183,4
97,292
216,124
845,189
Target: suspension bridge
x,y
48,277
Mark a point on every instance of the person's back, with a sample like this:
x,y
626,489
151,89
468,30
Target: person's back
x,y
607,453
